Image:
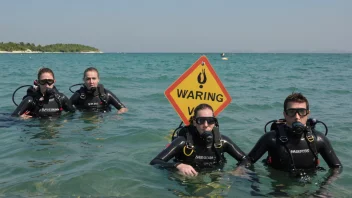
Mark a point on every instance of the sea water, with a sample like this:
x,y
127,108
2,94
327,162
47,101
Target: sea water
x,y
108,155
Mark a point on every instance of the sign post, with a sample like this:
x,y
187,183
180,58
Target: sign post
x,y
199,84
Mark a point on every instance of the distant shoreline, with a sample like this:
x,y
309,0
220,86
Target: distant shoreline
x,y
31,48
39,52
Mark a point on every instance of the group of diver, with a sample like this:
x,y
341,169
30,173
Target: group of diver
x,y
293,144
44,100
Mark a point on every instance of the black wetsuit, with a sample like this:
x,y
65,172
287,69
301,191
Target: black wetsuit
x,y
98,100
202,157
303,153
50,105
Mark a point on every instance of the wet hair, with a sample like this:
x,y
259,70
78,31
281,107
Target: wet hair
x,y
296,97
45,70
90,69
198,108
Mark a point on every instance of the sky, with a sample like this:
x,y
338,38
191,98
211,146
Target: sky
x,y
182,25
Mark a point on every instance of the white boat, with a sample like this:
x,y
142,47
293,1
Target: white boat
x,y
223,57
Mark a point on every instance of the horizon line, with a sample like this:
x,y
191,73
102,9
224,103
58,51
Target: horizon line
x,y
293,52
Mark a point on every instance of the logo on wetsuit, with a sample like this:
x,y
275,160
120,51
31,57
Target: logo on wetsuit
x,y
204,157
49,110
300,151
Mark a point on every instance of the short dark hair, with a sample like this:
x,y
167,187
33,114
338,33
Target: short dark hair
x,y
295,97
90,69
45,70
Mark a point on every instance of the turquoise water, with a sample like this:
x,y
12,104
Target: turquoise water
x,y
108,155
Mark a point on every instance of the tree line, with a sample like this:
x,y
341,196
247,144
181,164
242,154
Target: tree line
x,y
59,47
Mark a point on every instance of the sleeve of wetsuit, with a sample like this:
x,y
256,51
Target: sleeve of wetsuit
x,y
25,105
75,98
175,148
327,152
66,104
112,99
232,149
260,148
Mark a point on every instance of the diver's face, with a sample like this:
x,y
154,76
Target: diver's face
x,y
46,81
296,112
91,79
200,121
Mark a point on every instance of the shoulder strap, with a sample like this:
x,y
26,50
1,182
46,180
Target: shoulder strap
x,y
217,137
102,94
281,134
175,134
310,138
37,98
188,149
218,144
183,131
57,97
189,138
82,93
31,91
282,137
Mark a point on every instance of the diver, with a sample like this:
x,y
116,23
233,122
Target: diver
x,y
43,99
199,146
294,145
93,97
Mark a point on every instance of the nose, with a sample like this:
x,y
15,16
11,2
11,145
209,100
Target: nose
x,y
206,123
297,116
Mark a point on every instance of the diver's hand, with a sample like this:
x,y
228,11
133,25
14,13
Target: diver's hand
x,y
240,171
186,170
25,115
122,110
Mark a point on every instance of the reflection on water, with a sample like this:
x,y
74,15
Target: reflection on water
x,y
213,184
6,120
91,118
285,184
36,164
47,129
222,184
204,185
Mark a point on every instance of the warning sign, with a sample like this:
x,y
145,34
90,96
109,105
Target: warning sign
x,y
199,84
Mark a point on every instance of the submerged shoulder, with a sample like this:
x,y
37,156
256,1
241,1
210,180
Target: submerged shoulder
x,y
28,98
226,138
269,135
179,141
62,95
107,91
320,136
